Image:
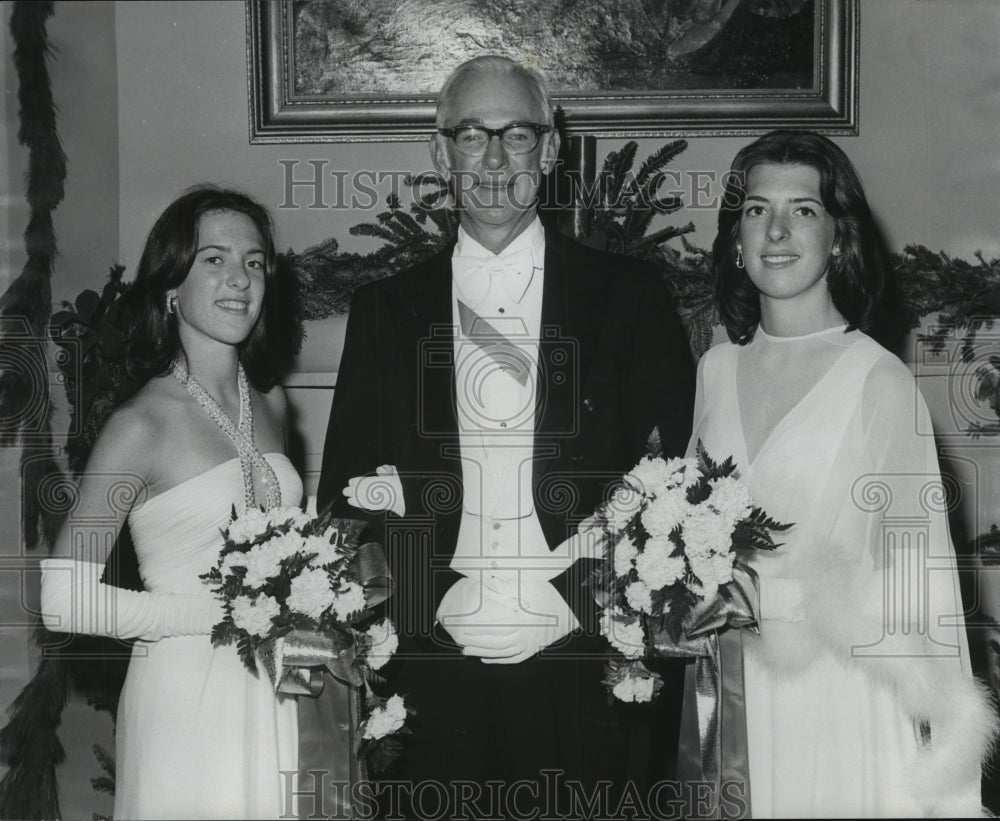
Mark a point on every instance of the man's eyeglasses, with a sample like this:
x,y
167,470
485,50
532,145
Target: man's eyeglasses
x,y
516,138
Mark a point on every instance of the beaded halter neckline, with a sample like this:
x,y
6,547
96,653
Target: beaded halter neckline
x,y
241,434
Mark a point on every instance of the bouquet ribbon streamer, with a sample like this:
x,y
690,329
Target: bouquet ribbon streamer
x,y
716,687
328,719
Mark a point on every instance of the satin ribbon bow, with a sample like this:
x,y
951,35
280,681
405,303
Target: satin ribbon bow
x,y
718,684
295,662
718,677
328,721
513,272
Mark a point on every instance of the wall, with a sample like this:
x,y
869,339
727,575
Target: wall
x,y
926,149
926,146
152,99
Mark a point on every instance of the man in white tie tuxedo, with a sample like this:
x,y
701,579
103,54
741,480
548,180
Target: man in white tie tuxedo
x,y
494,392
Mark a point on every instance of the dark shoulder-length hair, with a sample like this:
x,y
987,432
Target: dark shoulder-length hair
x,y
855,276
166,260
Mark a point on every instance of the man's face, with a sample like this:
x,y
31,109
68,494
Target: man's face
x,y
494,189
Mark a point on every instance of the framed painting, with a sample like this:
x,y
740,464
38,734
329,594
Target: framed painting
x,y
368,70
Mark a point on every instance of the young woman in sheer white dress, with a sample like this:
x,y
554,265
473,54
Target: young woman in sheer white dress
x,y
859,695
198,736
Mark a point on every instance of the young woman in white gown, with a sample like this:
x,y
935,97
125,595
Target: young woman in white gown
x,y
198,736
859,695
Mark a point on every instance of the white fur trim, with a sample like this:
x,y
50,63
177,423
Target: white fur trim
x,y
961,713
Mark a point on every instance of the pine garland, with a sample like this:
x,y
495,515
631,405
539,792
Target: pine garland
x,y
326,279
29,744
25,405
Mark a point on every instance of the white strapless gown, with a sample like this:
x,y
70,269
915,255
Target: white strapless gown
x,y
198,735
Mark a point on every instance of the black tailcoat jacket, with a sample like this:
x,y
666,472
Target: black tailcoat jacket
x,y
614,363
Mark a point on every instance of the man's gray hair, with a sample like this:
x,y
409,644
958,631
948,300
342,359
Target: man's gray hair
x,y
499,65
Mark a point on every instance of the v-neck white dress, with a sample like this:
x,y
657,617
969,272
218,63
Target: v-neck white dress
x,y
858,691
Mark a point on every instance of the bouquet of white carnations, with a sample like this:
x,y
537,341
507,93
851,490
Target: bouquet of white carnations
x,y
298,594
671,574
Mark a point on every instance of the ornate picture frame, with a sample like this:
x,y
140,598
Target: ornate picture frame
x,y
282,50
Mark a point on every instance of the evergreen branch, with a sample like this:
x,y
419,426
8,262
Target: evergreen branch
x,y
616,168
29,743
105,782
666,205
25,308
659,159
960,292
989,549
367,229
410,224
637,224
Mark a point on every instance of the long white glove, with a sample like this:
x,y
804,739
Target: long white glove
x,y
74,600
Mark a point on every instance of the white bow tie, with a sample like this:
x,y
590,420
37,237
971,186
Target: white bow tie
x,y
474,275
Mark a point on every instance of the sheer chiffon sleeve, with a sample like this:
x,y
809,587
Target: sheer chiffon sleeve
x,y
887,599
699,403
907,503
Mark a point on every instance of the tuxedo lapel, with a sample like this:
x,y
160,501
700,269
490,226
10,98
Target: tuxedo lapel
x,y
426,321
569,322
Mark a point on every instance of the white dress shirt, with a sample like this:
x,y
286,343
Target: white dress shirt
x,y
500,534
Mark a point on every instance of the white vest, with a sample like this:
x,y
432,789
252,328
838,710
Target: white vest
x,y
500,534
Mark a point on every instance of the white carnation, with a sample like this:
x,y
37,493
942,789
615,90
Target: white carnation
x,y
707,591
286,545
639,597
311,593
707,532
326,553
255,615
665,513
386,720
634,688
349,600
624,505
657,568
650,477
625,634
730,499
283,515
262,564
384,643
684,473
625,553
248,526
713,571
